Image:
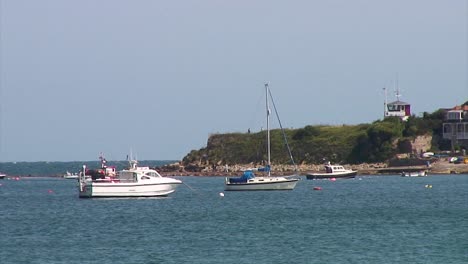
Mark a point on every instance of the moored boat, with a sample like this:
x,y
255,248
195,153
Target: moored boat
x,y
420,173
132,182
249,182
69,175
2,175
332,171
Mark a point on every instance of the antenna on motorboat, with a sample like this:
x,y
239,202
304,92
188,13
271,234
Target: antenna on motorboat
x,y
132,162
103,160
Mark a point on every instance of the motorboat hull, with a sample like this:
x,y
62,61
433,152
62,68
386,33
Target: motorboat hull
x,y
337,175
414,174
263,184
110,189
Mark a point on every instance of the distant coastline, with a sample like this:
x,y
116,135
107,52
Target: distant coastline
x,y
175,168
59,168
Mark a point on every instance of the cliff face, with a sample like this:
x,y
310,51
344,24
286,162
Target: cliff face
x,y
421,144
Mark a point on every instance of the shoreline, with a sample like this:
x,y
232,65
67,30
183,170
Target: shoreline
x,y
439,167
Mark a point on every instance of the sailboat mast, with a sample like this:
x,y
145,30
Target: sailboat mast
x,y
268,127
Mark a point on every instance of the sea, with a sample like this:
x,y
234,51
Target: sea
x,y
369,219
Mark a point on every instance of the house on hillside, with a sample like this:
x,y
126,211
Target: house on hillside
x,y
455,127
398,108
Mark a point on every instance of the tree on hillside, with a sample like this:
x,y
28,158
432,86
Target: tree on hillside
x,y
376,144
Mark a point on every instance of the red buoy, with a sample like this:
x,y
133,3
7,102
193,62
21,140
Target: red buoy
x,y
317,188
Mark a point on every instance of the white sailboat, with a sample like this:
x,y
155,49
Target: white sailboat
x,y
249,182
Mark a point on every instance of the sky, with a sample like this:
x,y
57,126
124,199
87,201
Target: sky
x,y
157,78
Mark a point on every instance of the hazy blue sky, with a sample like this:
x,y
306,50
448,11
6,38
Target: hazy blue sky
x,y
158,77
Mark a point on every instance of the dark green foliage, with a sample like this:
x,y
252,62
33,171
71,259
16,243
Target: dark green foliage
x,y
306,132
376,144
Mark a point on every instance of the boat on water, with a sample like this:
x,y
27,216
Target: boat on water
x,y
250,182
2,175
420,173
69,175
132,182
332,171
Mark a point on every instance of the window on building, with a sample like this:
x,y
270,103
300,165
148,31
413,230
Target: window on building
x,y
460,128
454,115
447,128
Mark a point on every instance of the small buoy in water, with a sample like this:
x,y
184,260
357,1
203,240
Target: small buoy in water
x,y
317,188
333,179
221,194
430,186
50,191
427,185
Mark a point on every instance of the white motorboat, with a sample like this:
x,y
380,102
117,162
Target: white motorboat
x,y
69,175
332,171
133,182
249,182
2,175
420,173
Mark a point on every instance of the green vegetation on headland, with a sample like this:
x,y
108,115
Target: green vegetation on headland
x,y
347,144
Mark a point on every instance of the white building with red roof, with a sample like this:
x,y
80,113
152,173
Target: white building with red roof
x,y
397,108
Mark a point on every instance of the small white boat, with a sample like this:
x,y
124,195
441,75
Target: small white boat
x,y
2,175
69,175
420,173
332,171
133,182
249,182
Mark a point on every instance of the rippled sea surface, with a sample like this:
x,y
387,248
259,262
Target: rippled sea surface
x,y
370,219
